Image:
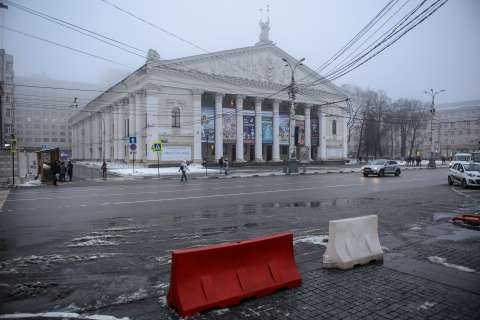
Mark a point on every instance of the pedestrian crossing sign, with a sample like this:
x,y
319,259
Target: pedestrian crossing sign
x,y
157,146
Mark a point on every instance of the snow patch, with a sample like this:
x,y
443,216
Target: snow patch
x,y
320,239
96,236
31,183
415,228
427,305
443,262
219,312
163,260
136,296
161,285
63,315
163,300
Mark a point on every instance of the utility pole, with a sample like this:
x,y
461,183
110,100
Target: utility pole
x,y
292,91
432,93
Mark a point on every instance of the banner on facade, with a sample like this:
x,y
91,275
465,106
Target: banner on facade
x,y
176,153
300,124
248,129
229,125
283,128
267,129
314,132
208,124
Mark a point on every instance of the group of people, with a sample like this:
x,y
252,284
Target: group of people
x,y
414,161
60,171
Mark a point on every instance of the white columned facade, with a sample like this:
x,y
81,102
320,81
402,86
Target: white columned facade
x,y
308,131
322,132
197,125
140,117
218,126
258,130
276,130
239,124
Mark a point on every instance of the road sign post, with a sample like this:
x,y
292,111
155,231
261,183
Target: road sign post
x,y
133,149
157,147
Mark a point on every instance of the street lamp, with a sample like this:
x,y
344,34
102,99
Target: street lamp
x,y
432,93
292,91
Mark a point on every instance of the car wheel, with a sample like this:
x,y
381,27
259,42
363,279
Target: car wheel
x,y
365,174
464,184
450,181
381,173
397,173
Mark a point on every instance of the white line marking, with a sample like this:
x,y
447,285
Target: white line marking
x,y
345,185
212,196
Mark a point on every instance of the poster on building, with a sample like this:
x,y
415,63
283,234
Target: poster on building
x,y
300,124
315,136
267,129
208,124
229,125
283,128
176,153
248,129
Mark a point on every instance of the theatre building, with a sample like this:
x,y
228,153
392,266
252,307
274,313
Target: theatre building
x,y
230,103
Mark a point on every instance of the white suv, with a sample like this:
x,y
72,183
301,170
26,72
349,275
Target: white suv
x,y
466,174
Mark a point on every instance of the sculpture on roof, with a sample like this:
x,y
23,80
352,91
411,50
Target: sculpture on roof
x,y
264,28
152,55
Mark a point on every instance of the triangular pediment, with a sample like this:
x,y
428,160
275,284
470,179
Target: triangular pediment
x,y
260,63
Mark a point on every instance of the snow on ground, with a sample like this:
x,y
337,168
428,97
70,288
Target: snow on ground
x,y
443,262
136,296
143,171
321,240
62,315
427,305
163,260
31,183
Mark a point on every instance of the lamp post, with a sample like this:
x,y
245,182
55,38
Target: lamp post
x,y
206,134
432,93
292,91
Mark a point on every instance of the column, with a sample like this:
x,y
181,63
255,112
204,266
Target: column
x,y
239,140
197,125
153,116
97,136
140,118
82,140
276,131
218,126
132,118
345,136
123,115
258,130
322,132
116,132
308,132
108,134
88,138
73,143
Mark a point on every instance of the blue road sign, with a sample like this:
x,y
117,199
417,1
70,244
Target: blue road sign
x,y
132,140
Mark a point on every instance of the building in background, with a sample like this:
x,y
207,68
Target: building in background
x,y
7,101
43,110
456,128
230,104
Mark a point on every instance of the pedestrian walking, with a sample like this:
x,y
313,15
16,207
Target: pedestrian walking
x,y
55,171
70,170
225,166
220,164
63,171
104,170
183,168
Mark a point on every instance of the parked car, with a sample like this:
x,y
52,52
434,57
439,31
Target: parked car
x,y
381,168
465,174
460,157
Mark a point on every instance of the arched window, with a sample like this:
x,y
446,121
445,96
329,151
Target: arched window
x,y
176,118
334,127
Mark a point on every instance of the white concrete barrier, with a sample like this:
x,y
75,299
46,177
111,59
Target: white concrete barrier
x,y
352,242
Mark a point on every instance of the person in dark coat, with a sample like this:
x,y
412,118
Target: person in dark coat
x,y
70,170
55,171
104,170
63,171
183,168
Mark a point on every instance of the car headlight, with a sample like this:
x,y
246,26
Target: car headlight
x,y
375,168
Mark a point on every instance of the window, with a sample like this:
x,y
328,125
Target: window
x,y
7,98
334,127
62,139
176,118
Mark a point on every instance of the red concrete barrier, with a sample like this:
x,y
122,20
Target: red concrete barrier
x,y
222,275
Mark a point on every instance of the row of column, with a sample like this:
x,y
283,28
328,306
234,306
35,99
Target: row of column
x,y
197,139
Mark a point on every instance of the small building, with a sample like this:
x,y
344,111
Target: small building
x,y
231,103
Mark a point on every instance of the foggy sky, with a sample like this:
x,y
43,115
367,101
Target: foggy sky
x,y
442,53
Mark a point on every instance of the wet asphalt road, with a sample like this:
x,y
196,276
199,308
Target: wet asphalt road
x,y
104,247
